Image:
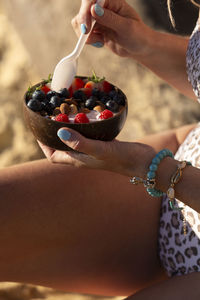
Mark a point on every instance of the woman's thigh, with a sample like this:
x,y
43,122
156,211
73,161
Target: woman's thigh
x,y
80,230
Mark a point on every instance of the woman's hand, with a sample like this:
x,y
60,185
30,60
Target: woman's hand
x,y
130,159
118,26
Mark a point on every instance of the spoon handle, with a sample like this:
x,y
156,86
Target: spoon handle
x,y
82,40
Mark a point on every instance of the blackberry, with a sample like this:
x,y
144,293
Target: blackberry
x,y
63,93
38,95
55,101
34,105
112,105
91,102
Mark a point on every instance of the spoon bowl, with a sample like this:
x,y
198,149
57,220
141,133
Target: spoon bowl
x,y
66,69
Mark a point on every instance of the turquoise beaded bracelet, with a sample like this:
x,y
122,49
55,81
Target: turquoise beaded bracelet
x,y
153,168
150,182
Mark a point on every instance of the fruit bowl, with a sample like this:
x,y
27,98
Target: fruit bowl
x,y
45,128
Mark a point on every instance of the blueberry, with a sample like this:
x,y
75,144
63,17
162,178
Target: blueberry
x,y
62,99
119,99
34,105
63,93
55,101
43,105
50,94
80,95
38,95
99,94
96,92
91,102
46,106
117,96
112,105
113,93
105,99
44,101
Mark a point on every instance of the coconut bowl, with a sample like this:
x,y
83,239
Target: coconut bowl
x,y
45,130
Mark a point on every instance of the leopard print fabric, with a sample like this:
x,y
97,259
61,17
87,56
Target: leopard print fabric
x,y
179,253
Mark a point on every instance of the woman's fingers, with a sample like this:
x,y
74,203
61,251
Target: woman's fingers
x,y
82,22
75,159
107,17
95,148
48,152
96,40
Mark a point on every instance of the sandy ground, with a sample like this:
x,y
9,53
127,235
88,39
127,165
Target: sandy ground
x,y
29,52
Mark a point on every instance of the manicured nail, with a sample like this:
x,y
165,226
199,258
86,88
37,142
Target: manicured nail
x,y
63,134
99,10
83,28
101,2
98,44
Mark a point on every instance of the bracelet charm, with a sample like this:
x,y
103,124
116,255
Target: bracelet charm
x,y
150,181
174,180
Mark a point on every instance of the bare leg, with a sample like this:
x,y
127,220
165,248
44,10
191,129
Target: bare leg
x,y
82,231
179,287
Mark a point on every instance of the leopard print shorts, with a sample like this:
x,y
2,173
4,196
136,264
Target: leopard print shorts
x,y
179,253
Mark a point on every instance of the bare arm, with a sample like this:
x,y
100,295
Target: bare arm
x,y
166,57
187,189
121,30
133,159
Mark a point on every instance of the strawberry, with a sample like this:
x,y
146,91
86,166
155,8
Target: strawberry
x,y
106,114
86,91
106,86
45,89
77,84
82,94
81,118
62,118
90,85
96,82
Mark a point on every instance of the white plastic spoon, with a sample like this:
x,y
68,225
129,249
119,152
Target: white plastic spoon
x,y
65,70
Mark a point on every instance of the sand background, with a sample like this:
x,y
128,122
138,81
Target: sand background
x,y
34,36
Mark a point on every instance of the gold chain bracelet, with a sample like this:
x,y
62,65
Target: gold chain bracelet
x,y
174,180
171,191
